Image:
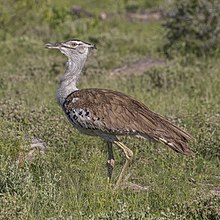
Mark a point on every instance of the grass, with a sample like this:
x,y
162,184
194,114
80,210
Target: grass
x,y
69,180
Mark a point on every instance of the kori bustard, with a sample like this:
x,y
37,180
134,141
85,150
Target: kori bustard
x,y
109,114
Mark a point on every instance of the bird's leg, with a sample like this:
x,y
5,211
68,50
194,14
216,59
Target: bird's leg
x,y
128,155
111,161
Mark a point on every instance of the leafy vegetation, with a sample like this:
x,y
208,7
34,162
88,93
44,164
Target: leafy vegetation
x,y
69,181
193,27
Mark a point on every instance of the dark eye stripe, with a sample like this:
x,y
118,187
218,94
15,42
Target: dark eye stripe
x,y
72,45
67,47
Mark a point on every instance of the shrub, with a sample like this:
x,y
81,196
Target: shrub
x,y
193,27
25,17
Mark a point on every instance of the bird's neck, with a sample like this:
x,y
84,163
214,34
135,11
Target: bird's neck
x,y
69,80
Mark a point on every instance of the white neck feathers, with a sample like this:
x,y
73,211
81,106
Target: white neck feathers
x,y
68,82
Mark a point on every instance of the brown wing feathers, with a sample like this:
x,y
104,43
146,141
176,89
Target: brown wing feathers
x,y
123,114
160,129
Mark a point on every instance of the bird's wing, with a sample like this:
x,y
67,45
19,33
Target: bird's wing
x,y
100,109
114,112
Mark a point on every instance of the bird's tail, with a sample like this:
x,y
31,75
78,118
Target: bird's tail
x,y
179,146
170,135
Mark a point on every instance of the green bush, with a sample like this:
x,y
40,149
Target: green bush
x,y
193,27
28,17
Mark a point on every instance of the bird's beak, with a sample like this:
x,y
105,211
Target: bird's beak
x,y
53,45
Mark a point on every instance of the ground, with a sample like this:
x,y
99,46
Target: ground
x,y
67,178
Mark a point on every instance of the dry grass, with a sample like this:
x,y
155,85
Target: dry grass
x,y
69,180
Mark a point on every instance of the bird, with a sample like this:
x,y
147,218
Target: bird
x,y
110,114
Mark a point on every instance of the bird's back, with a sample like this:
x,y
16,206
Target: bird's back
x,y
115,113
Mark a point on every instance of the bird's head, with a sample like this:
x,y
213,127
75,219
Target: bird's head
x,y
72,48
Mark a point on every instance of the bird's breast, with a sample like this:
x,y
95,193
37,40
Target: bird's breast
x,y
78,117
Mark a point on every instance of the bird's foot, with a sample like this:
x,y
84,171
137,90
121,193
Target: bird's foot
x,y
125,184
133,187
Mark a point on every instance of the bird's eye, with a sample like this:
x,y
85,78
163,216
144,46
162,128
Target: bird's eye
x,y
74,44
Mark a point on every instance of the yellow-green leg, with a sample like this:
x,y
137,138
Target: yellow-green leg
x,y
128,157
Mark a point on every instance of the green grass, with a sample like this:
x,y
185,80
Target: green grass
x,y
69,180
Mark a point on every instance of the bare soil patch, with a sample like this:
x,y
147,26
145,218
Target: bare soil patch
x,y
138,67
